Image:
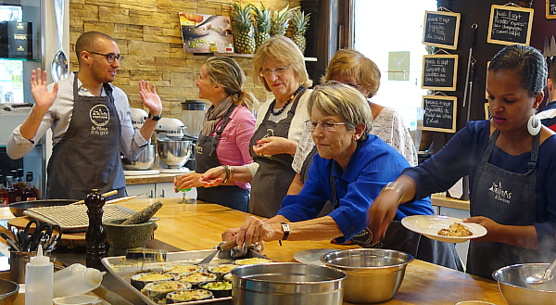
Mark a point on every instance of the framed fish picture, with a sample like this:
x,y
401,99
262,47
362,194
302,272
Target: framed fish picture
x,y
205,33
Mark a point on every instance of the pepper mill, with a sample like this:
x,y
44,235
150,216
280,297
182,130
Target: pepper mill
x,y
95,236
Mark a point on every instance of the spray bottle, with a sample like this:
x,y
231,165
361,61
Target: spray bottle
x,y
39,280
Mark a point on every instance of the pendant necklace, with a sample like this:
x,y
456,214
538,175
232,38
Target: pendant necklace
x,y
290,99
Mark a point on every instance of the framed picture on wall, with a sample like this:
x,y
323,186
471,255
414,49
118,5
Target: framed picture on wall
x,y
200,32
550,9
441,29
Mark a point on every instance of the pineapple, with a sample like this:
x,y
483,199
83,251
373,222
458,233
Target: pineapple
x,y
300,23
280,20
262,21
243,40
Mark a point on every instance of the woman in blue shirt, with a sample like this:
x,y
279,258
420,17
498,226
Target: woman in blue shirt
x,y
511,161
350,169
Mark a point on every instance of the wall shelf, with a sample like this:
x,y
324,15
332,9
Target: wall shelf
x,y
244,55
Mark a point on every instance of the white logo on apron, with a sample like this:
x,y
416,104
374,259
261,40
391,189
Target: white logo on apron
x,y
100,116
499,193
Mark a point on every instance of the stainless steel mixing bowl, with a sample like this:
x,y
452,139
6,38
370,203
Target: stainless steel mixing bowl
x,y
173,153
373,275
512,285
287,283
8,292
144,161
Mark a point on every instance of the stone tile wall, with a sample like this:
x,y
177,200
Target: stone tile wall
x,y
148,34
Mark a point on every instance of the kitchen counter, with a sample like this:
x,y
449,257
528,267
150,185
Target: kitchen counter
x,y
198,226
144,179
442,200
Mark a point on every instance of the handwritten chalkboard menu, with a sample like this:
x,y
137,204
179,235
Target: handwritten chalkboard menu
x,y
550,9
441,29
440,72
510,25
439,113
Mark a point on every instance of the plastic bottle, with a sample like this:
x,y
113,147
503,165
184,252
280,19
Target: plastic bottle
x,y
75,280
39,280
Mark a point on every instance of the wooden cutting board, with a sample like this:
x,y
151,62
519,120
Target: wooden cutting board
x,y
72,239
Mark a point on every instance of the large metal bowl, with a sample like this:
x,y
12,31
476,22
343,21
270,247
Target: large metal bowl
x,y
512,285
8,292
144,161
287,283
173,153
373,275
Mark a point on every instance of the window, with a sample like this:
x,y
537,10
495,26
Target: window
x,y
392,38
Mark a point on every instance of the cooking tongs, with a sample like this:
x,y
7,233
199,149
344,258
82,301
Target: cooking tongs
x,y
228,250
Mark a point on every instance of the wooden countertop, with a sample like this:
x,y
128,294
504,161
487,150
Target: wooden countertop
x,y
442,200
144,179
198,226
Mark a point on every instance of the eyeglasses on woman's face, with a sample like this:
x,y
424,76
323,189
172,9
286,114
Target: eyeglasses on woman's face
x,y
276,71
110,57
328,125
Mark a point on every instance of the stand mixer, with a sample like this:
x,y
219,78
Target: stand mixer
x,y
146,159
172,149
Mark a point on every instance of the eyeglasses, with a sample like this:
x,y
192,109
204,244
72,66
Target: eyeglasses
x,y
333,82
328,126
110,57
275,71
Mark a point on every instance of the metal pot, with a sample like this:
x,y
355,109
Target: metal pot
x,y
287,283
516,291
173,153
144,161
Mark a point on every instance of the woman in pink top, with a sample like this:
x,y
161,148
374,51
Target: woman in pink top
x,y
224,140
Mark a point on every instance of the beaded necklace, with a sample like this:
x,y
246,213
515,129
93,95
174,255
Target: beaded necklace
x,y
290,99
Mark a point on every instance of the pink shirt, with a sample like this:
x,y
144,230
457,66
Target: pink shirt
x,y
233,147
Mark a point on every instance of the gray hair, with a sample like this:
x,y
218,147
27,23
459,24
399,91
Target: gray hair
x,y
228,74
345,101
284,51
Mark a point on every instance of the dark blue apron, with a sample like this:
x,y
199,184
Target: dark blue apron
x,y
88,155
206,158
507,198
275,173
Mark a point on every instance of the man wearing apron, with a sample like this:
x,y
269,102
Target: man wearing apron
x,y
275,173
516,206
90,121
206,158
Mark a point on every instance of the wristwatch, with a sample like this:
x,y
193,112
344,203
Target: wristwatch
x,y
286,230
154,117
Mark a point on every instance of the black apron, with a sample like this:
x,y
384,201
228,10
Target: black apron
x,y
206,158
275,173
401,239
88,155
507,198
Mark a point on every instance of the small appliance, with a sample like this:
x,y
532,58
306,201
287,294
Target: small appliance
x,y
172,149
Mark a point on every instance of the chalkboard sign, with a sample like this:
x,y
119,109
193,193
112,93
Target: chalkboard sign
x,y
510,25
441,29
550,9
439,113
440,72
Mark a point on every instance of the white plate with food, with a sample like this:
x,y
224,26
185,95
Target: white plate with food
x,y
443,228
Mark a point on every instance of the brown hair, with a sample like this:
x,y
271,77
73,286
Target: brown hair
x,y
349,62
87,41
228,74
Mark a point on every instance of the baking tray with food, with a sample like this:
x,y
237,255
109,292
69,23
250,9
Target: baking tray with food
x,y
156,279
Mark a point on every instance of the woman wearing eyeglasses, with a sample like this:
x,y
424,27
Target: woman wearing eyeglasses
x,y
228,127
351,168
90,121
352,68
280,66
